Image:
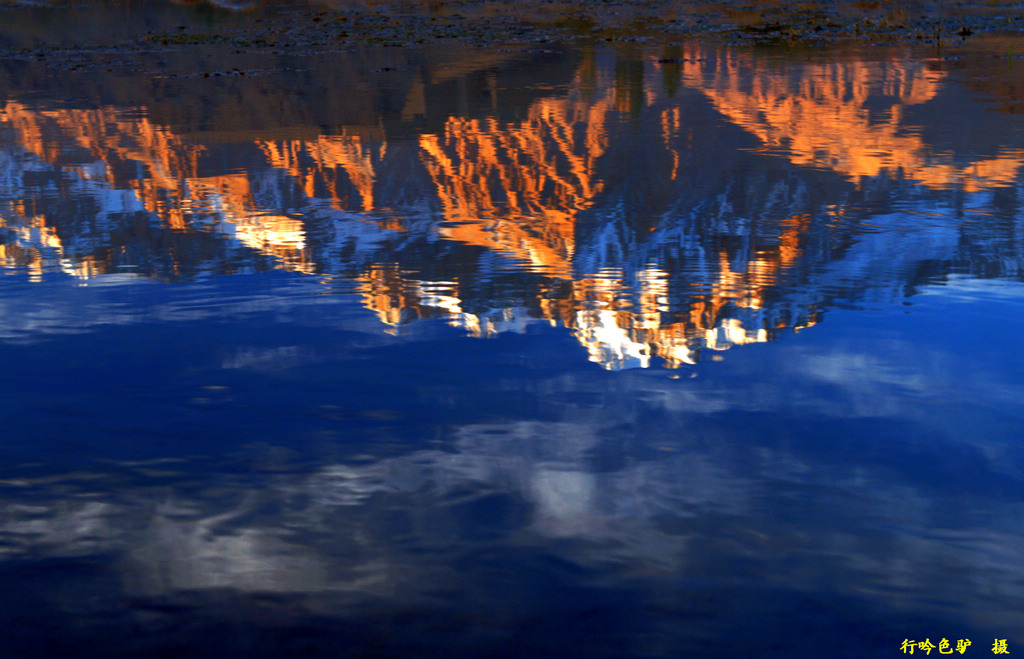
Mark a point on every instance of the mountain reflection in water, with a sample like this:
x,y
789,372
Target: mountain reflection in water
x,y
272,427
632,208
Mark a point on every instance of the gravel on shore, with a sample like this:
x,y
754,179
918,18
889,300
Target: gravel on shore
x,y
135,24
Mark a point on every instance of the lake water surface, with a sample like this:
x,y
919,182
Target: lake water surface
x,y
607,351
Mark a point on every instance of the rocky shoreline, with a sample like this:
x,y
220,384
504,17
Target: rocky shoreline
x,y
50,29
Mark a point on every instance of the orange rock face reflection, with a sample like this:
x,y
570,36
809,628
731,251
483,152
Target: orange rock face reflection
x,y
166,181
329,158
823,118
520,189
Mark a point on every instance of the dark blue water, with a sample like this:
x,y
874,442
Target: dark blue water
x,y
598,352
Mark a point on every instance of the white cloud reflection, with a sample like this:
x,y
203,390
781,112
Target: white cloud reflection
x,y
398,527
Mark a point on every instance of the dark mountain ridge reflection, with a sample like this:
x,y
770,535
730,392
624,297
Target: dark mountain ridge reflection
x,y
655,206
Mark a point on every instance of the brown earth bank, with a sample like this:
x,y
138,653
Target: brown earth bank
x,y
109,51
298,24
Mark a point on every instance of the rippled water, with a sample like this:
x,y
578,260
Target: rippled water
x,y
606,351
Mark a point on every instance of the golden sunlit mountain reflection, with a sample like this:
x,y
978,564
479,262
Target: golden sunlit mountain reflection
x,y
519,188
627,205
824,118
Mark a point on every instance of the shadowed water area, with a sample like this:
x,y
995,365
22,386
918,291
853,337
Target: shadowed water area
x,y
597,350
